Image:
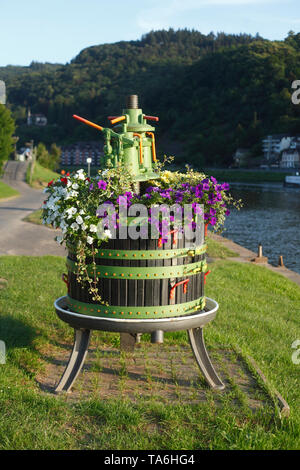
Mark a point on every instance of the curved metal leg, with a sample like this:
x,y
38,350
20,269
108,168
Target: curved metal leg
x,y
76,360
202,358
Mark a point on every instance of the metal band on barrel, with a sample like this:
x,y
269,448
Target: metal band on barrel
x,y
159,311
148,254
129,272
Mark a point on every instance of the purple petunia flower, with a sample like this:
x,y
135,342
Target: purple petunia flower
x,y
213,221
227,212
102,185
225,186
212,211
91,187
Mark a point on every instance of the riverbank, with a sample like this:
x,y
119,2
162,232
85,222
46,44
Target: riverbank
x,y
247,256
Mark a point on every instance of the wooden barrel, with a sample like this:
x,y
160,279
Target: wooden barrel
x,y
142,279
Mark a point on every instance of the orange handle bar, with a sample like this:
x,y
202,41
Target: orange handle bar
x,y
206,274
185,283
151,118
114,120
153,145
141,146
174,232
89,123
64,277
205,229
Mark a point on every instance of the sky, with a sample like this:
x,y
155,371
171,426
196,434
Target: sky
x,y
57,30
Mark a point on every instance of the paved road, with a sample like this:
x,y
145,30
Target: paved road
x,y
16,236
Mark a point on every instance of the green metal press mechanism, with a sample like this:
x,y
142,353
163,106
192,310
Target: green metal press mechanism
x,y
148,287
131,142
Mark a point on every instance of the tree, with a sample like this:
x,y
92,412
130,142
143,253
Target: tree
x,y
48,160
7,129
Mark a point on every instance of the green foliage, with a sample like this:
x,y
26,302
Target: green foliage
x,y
7,128
41,176
48,160
213,93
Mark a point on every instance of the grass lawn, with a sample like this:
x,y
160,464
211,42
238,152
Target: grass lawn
x,y
259,312
7,191
218,250
34,217
41,176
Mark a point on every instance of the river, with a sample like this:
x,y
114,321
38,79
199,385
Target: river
x,y
270,216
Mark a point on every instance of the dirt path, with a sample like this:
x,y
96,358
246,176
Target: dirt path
x,y
22,238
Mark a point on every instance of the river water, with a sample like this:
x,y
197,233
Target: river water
x,y
270,216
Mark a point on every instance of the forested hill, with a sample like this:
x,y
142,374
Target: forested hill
x,y
212,93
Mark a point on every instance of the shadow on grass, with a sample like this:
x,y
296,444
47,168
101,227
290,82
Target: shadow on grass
x,y
15,333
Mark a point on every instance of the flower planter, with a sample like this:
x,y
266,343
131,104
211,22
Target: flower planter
x,y
142,279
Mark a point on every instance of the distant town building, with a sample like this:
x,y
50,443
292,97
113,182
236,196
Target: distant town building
x,y
23,154
76,154
271,145
282,149
290,158
36,119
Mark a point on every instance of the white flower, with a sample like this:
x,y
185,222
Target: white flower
x,y
80,174
93,228
75,186
71,211
107,233
79,219
89,240
75,226
59,239
81,212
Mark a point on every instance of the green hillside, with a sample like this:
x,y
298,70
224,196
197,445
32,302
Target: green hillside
x,y
212,93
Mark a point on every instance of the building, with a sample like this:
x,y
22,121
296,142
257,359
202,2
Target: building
x,y
271,145
23,154
290,158
76,154
282,149
36,119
